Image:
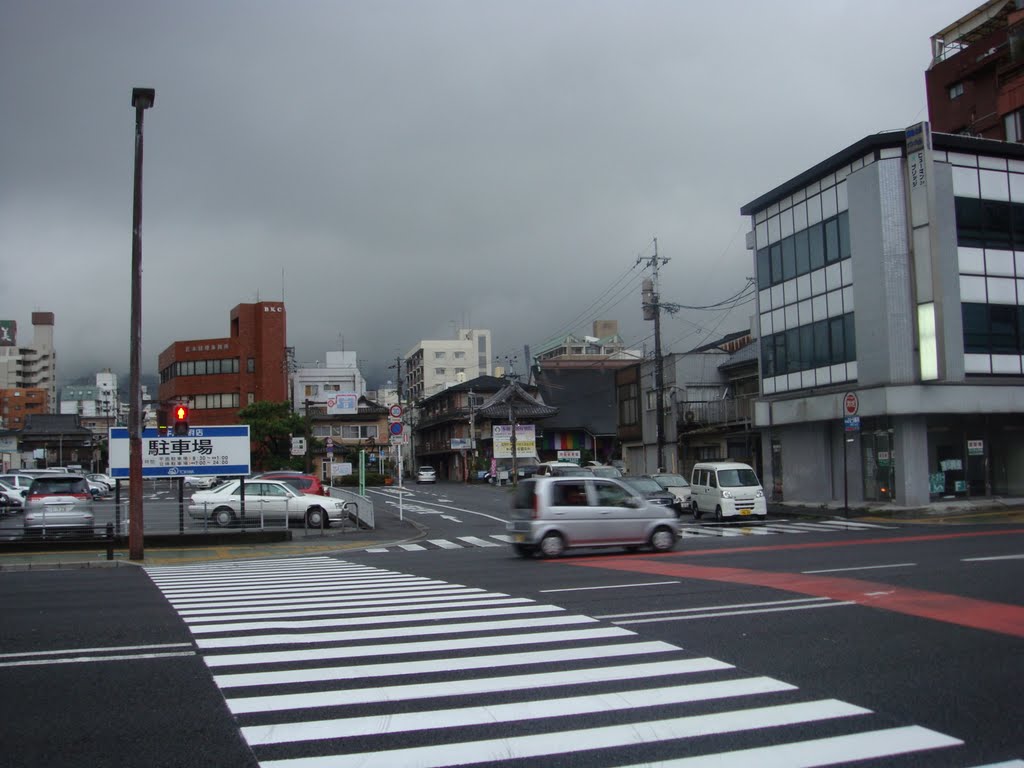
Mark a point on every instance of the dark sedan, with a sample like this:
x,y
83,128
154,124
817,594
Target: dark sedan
x,y
651,490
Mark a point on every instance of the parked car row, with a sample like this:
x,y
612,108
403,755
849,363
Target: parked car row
x,y
267,498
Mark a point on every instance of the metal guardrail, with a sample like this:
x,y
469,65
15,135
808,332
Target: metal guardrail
x,y
362,514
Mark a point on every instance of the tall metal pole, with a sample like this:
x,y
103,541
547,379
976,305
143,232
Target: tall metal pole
x,y
142,99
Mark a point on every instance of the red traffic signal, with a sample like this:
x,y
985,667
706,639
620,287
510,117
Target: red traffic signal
x,y
181,420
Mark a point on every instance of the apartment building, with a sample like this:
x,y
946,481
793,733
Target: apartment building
x,y
434,364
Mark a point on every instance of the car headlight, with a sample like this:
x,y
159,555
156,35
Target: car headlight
x,y
726,494
759,494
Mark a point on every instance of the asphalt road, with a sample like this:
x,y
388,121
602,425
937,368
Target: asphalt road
x,y
809,645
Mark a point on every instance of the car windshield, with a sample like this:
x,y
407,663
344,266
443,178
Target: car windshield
x,y
645,484
426,469
606,471
675,481
59,484
737,478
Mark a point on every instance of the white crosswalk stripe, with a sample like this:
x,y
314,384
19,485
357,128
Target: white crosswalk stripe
x,y
687,530
372,675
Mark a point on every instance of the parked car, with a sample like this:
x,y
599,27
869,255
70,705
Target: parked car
x,y
677,486
97,489
300,482
18,480
551,514
11,497
99,477
202,482
727,489
603,470
266,497
650,490
426,475
564,468
58,502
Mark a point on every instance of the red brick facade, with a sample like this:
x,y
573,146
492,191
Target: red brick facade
x,y
18,402
218,377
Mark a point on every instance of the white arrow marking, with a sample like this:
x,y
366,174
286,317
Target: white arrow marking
x,y
449,517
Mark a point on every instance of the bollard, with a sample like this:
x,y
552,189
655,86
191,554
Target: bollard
x,y
110,541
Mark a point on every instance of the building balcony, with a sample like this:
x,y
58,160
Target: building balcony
x,y
731,411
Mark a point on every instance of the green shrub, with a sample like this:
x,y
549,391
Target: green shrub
x,y
372,478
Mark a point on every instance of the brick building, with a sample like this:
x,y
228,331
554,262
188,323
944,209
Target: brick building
x,y
218,377
17,403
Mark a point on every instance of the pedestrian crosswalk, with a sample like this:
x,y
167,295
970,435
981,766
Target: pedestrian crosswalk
x,y
687,530
324,662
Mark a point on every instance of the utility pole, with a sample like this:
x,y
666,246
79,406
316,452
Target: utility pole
x,y
652,311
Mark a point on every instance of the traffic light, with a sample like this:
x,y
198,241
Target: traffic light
x,y
181,421
161,422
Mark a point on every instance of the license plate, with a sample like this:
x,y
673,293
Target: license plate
x,y
519,538
744,511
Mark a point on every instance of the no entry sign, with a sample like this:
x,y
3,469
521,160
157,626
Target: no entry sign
x,y
850,404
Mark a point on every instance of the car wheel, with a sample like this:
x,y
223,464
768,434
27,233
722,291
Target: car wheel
x,y
718,514
552,545
662,539
696,510
524,550
224,516
315,517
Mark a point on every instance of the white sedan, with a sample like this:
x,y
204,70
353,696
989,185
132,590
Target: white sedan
x,y
204,482
266,498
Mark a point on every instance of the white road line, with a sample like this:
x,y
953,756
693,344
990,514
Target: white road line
x,y
447,506
502,537
375,549
357,672
986,559
704,608
504,713
376,634
151,647
310,591
366,621
444,544
784,528
412,547
862,568
1007,764
341,601
477,542
611,586
315,581
227,621
540,745
716,615
89,659
469,687
261,577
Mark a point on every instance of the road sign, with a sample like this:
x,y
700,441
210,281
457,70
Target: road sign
x,y
204,451
852,423
395,428
298,446
401,439
395,411
851,404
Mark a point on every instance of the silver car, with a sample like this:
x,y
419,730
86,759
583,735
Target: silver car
x,y
267,498
552,514
58,502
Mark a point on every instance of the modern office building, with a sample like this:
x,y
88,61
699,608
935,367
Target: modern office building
x,y
891,291
33,366
315,385
975,82
219,376
434,364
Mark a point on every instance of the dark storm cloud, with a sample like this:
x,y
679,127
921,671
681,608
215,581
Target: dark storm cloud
x,y
394,169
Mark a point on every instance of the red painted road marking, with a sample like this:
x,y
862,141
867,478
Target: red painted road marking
x,y
964,611
843,543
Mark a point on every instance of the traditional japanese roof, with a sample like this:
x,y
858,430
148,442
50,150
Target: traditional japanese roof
x,y
523,404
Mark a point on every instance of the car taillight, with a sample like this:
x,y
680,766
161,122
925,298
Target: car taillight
x,y
536,507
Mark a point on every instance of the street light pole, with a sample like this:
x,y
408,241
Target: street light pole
x,y
142,99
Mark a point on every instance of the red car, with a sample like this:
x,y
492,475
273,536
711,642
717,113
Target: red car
x,y
301,483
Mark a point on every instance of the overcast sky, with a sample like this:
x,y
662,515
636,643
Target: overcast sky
x,y
395,170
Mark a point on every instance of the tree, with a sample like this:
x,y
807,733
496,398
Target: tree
x,y
271,427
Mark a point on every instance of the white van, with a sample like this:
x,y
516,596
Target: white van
x,y
728,489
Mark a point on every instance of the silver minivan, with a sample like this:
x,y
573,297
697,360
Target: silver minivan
x,y
552,514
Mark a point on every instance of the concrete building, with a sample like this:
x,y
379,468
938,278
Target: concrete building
x,y
18,403
975,82
317,384
33,366
434,364
605,348
891,291
219,376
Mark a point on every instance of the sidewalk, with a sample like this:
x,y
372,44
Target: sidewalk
x,y
218,545
952,511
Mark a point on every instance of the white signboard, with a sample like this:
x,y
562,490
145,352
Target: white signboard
x,y
205,451
341,468
298,446
526,440
343,402
569,456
